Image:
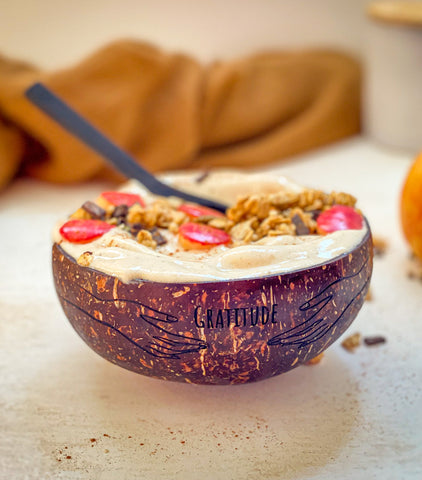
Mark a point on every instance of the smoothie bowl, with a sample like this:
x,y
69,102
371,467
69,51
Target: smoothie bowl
x,y
179,292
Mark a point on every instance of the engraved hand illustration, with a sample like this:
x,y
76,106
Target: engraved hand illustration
x,y
322,312
153,338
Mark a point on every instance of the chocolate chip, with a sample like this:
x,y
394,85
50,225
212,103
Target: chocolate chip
x,y
94,210
376,340
158,238
120,211
315,213
135,228
202,176
301,228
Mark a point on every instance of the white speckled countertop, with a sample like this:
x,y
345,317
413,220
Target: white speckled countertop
x,y
65,413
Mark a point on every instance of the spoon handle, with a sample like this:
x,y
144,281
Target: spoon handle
x,y
74,123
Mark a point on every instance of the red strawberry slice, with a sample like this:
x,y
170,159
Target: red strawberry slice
x,y
84,231
123,198
198,236
339,217
195,211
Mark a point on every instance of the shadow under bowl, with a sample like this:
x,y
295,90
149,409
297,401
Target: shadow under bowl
x,y
223,332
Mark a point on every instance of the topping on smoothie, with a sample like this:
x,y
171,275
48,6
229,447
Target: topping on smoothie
x,y
84,231
94,210
195,211
122,198
339,217
282,213
197,236
145,238
85,259
134,234
252,218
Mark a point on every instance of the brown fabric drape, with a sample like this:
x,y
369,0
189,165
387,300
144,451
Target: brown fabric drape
x,y
171,112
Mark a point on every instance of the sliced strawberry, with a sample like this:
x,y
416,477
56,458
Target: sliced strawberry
x,y
195,235
84,231
339,217
123,198
195,211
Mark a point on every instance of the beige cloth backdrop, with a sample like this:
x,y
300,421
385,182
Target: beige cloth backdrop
x,y
169,111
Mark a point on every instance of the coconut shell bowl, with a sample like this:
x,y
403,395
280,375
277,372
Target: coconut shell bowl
x,y
224,332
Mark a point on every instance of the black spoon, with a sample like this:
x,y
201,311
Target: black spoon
x,y
74,123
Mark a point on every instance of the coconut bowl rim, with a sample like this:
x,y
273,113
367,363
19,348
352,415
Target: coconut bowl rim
x,y
365,238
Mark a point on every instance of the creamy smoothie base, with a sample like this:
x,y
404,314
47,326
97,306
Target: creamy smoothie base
x,y
118,253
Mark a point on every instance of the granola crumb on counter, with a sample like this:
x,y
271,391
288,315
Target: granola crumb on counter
x,y
315,360
352,342
414,271
380,245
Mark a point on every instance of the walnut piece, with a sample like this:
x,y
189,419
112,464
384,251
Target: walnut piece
x,y
85,259
145,238
351,342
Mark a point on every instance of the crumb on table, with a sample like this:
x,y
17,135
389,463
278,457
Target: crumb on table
x,y
380,245
315,360
351,342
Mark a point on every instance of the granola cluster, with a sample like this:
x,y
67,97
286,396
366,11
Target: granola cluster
x,y
283,213
252,218
142,222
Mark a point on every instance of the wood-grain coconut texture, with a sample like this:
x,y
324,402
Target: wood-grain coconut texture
x,y
224,332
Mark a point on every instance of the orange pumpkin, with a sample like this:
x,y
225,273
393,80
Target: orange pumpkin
x,y
411,207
